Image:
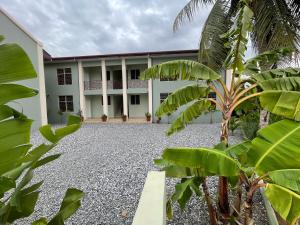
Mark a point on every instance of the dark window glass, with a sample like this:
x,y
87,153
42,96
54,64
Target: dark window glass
x,y
163,96
108,75
66,103
135,74
135,99
64,76
212,95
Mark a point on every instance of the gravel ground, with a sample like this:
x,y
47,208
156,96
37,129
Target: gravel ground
x,y
109,162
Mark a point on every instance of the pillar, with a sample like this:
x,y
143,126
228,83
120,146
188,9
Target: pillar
x,y
81,89
104,88
150,93
124,82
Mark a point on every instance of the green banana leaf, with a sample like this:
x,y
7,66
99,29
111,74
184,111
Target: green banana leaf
x,y
276,147
282,103
289,178
209,161
284,201
181,70
181,97
276,73
284,84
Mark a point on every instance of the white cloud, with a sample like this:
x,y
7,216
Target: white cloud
x,y
79,27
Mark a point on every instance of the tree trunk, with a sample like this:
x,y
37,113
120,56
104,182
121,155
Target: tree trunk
x,y
223,200
211,208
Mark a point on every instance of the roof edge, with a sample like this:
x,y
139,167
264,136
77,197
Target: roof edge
x,y
122,55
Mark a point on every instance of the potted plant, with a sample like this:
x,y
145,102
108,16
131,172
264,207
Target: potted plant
x,y
158,120
104,118
148,116
124,118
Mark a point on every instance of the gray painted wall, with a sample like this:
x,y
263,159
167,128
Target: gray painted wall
x,y
138,110
13,34
53,90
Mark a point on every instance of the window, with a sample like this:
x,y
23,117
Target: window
x,y
108,100
163,96
212,95
135,74
64,76
107,75
66,103
135,99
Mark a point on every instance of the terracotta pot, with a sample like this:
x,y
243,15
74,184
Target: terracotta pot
x,y
104,119
124,118
148,118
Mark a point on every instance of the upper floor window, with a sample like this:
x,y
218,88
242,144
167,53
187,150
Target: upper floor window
x,y
163,96
64,76
135,99
66,103
135,74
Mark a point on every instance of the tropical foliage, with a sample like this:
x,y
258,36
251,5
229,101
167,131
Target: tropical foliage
x,y
263,162
275,25
18,158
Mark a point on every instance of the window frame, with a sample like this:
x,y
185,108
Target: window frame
x,y
66,103
161,99
64,76
135,74
135,100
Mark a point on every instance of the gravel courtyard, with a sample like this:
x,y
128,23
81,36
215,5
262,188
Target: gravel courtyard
x,y
109,162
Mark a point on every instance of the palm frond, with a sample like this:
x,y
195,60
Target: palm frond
x,y
212,50
189,11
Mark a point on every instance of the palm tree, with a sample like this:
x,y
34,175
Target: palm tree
x,y
276,24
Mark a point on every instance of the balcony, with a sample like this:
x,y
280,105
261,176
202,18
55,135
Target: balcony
x,y
137,84
115,84
93,85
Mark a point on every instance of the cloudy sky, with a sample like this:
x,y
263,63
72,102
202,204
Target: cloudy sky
x,y
80,27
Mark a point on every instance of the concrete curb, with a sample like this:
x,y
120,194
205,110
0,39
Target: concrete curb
x,y
270,211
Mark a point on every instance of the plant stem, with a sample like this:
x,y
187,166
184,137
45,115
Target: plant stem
x,y
238,199
211,208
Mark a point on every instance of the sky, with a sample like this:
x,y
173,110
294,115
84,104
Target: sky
x,y
80,27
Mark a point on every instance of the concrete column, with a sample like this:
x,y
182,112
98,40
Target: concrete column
x,y
104,88
42,88
81,89
124,82
150,93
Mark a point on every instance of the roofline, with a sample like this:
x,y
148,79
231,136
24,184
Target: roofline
x,y
20,26
123,55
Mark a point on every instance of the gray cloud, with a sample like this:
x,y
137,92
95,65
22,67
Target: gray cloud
x,y
81,27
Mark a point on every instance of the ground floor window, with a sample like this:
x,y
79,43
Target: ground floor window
x,y
163,96
212,95
135,99
108,100
66,103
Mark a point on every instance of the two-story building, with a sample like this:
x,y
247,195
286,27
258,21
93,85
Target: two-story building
x,y
109,84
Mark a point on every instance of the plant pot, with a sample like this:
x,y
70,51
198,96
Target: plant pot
x,y
148,118
124,118
104,119
81,118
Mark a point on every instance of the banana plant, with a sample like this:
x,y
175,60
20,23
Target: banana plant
x,y
277,91
18,158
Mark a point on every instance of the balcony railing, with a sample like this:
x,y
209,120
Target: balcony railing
x,y
115,84
137,84
93,85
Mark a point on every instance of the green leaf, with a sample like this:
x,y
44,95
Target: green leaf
x,y
169,209
189,114
14,132
47,133
276,73
180,69
9,92
285,202
284,84
37,153
267,58
183,192
41,221
207,160
15,64
289,178
72,119
5,112
6,184
46,160
276,147
64,131
181,97
239,151
283,103
32,188
69,206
